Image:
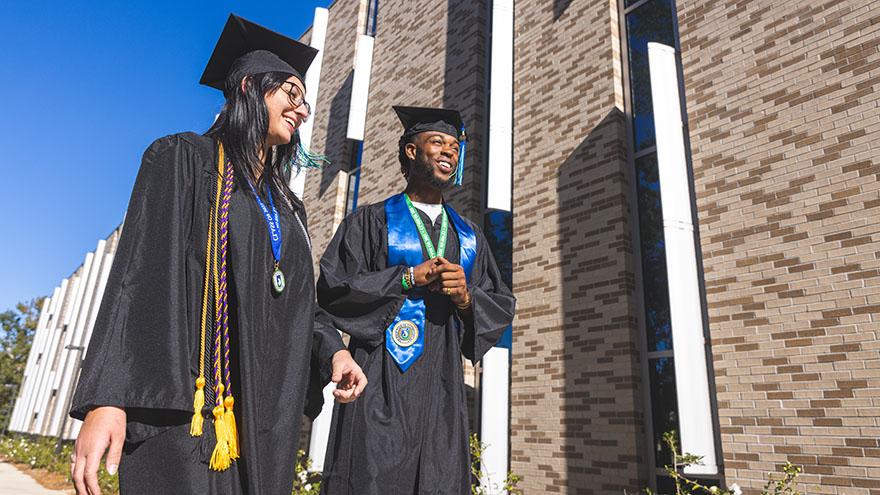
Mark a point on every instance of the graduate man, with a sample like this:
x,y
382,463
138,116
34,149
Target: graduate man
x,y
415,286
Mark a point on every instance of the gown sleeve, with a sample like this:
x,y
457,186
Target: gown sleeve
x,y
140,351
492,302
360,294
326,342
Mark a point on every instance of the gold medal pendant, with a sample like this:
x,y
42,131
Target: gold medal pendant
x,y
278,279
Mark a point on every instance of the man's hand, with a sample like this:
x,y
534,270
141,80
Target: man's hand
x,y
426,272
103,430
350,380
450,280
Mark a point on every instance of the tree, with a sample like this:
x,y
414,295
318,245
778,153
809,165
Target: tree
x,y
17,329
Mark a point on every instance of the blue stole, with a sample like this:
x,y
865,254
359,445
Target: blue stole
x,y
405,337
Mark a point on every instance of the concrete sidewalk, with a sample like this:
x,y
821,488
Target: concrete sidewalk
x,y
14,482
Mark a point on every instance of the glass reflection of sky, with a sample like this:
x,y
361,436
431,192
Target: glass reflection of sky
x,y
650,22
654,276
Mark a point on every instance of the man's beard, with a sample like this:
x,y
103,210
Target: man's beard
x,y
425,172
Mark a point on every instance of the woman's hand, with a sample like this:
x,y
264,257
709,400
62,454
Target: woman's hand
x,y
350,380
103,430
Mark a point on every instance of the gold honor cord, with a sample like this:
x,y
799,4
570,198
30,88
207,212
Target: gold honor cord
x,y
197,423
226,449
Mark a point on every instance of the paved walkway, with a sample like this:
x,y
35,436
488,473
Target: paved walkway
x,y
14,482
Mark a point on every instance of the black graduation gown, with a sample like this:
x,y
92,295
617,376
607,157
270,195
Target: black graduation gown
x,y
408,433
144,352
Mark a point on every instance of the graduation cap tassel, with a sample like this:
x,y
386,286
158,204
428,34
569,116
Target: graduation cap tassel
x,y
459,172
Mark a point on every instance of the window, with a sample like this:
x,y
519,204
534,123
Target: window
x,y
372,14
652,21
354,178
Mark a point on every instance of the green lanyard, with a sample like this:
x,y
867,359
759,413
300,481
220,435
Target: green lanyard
x,y
444,230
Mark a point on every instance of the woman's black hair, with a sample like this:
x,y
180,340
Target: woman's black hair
x,y
242,127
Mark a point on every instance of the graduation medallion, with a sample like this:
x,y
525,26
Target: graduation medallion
x,y
278,280
405,333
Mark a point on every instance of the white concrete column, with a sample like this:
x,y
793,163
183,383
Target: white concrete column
x,y
68,287
52,406
17,410
360,88
495,385
106,265
685,301
38,350
73,348
313,81
357,117
46,404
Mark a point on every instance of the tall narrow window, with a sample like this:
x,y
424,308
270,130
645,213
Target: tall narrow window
x,y
372,14
354,178
652,21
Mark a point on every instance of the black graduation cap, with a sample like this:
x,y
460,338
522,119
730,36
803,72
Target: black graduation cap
x,y
246,48
421,119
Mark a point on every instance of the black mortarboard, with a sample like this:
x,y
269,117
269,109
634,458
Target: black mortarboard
x,y
245,48
420,119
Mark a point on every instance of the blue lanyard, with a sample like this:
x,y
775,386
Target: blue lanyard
x,y
272,220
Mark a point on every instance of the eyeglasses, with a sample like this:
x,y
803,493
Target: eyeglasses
x,y
296,97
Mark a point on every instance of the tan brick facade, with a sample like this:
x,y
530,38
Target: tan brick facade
x,y
783,108
577,425
783,114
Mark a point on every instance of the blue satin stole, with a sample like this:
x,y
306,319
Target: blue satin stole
x,y
405,337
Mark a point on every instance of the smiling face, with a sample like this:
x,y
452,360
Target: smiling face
x,y
433,158
284,117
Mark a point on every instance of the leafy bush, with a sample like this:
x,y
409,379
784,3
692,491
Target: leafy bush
x,y
39,453
305,482
787,485
510,483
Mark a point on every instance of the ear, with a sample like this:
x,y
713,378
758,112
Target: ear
x,y
410,150
244,83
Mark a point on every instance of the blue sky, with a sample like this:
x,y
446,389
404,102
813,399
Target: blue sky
x,y
85,88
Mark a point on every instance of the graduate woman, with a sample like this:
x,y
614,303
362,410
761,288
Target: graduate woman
x,y
206,349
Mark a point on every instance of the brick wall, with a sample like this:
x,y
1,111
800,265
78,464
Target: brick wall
x,y
320,193
577,425
434,60
418,60
331,122
783,110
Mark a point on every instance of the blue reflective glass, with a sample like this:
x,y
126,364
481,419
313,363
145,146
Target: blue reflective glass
x,y
652,21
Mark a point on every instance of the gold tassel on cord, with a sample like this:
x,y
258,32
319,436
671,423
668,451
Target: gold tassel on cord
x,y
231,429
220,460
195,427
